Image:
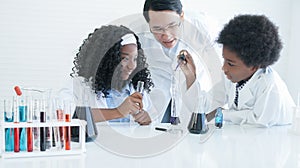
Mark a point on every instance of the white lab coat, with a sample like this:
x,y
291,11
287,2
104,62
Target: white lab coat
x,y
78,91
162,62
264,100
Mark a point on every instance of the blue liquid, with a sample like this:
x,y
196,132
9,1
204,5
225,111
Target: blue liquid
x,y
9,139
23,113
219,118
9,132
8,118
23,140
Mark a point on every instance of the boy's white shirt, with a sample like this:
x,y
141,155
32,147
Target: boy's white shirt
x,y
263,101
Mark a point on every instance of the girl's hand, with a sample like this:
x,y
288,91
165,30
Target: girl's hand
x,y
142,117
131,104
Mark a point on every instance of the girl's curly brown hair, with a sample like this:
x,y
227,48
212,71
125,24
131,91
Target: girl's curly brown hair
x,y
98,61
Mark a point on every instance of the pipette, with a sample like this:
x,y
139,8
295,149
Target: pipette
x,y
180,59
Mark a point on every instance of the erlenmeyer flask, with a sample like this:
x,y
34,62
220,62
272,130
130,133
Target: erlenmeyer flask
x,y
197,124
83,112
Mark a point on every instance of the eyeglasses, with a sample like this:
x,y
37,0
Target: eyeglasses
x,y
170,28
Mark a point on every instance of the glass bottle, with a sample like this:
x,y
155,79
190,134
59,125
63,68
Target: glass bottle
x,y
219,118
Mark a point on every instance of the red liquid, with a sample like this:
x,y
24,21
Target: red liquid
x,y
67,138
29,139
60,117
16,140
68,134
68,118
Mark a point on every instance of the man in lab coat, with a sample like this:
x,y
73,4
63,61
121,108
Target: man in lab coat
x,y
171,32
255,93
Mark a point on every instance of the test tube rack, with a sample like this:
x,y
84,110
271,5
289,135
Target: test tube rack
x,y
77,147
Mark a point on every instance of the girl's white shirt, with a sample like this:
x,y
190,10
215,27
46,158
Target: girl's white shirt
x,y
80,92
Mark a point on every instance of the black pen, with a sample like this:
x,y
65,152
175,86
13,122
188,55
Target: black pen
x,y
161,129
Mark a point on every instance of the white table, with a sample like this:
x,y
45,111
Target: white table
x,y
231,146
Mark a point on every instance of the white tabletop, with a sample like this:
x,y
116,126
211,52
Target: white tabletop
x,y
231,146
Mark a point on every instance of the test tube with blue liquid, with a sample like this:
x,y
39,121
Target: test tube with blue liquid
x,y
23,118
9,132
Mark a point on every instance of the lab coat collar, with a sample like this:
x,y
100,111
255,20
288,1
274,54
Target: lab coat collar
x,y
246,93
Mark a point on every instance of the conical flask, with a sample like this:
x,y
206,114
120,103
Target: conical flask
x,y
83,112
197,124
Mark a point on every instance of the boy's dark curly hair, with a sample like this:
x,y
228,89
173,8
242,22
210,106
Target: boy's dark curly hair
x,y
99,57
254,38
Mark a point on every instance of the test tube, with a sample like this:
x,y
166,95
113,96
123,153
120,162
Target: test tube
x,y
30,129
67,110
43,129
140,87
36,130
16,130
9,132
60,118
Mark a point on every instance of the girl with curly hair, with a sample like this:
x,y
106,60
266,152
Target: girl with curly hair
x,y
107,68
255,92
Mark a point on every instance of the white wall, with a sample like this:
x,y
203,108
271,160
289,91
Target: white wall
x,y
38,39
292,68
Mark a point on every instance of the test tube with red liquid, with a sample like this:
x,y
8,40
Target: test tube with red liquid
x,y
67,110
30,129
16,130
